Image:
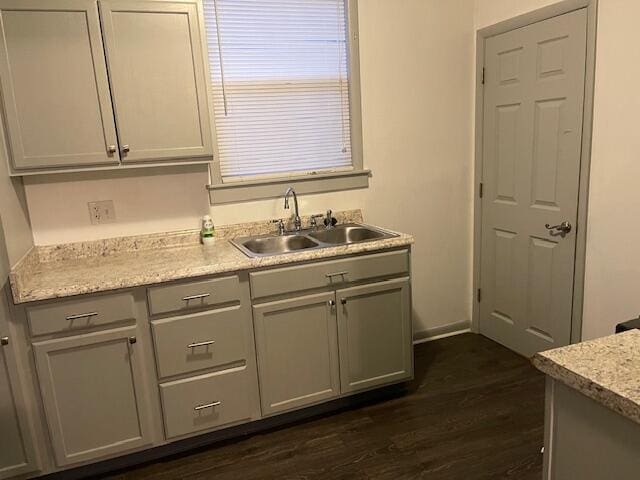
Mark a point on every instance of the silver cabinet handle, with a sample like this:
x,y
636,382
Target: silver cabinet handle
x,y
4,341
195,297
206,405
82,315
132,340
343,301
201,344
337,274
111,149
332,303
564,227
125,148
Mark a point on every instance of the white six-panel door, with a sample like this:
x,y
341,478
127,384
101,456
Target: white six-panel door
x,y
532,133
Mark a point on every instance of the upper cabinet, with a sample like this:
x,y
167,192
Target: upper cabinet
x,y
54,82
158,79
63,102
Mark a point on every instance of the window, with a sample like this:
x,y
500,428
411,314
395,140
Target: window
x,y
285,94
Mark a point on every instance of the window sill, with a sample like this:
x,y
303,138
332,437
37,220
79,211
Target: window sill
x,y
275,187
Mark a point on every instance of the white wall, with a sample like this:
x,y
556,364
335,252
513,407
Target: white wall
x,y
145,201
416,66
612,287
14,214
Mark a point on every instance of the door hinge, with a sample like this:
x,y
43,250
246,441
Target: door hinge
x,y
479,295
481,189
482,75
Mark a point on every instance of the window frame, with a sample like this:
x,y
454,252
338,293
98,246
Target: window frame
x,y
273,187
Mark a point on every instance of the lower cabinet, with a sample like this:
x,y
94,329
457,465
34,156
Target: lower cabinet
x,y
317,347
207,401
94,394
375,334
17,455
297,350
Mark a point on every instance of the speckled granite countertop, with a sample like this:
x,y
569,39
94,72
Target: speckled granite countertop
x,y
88,267
606,369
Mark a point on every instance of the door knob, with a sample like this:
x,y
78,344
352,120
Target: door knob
x,y
125,148
111,149
564,227
132,340
4,341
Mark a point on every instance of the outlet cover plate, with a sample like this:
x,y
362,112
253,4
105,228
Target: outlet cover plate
x,y
102,212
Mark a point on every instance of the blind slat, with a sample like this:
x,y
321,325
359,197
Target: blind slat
x,y
280,76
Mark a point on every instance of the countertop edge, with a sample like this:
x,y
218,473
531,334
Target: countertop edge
x,y
19,297
595,391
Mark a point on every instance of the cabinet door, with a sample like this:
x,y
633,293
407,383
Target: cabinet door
x,y
94,394
54,81
17,455
158,79
374,332
297,350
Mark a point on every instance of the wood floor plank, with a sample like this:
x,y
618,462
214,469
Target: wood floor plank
x,y
474,411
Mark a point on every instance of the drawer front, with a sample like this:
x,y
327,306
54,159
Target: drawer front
x,y
206,402
200,340
324,274
192,295
80,313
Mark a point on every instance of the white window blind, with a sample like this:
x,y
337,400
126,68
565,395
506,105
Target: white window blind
x,y
280,78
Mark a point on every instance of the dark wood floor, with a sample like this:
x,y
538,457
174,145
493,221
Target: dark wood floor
x,y
474,411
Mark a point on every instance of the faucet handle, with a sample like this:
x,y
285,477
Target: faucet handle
x,y
314,219
329,221
281,227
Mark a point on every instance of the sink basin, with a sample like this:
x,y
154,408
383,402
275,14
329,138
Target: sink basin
x,y
345,234
267,245
282,244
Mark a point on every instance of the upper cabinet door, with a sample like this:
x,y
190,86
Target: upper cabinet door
x,y
54,82
158,79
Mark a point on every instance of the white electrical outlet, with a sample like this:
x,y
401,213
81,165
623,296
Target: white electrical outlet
x,y
102,212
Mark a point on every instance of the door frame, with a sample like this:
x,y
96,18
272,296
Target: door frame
x,y
545,13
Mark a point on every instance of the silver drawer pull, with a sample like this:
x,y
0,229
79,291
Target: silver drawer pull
x,y
82,315
201,344
337,274
196,297
206,405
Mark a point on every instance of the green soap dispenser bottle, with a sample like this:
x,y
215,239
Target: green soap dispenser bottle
x,y
208,231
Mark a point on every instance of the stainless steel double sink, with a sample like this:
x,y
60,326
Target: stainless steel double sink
x,y
346,234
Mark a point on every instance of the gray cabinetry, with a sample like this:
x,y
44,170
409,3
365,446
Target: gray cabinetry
x,y
67,108
55,89
201,340
210,346
351,336
297,349
208,401
94,394
17,454
158,79
374,332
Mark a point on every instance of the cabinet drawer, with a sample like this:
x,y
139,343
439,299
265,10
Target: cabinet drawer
x,y
80,313
335,272
200,340
185,296
206,402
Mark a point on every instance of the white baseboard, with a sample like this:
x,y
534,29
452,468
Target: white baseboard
x,y
442,331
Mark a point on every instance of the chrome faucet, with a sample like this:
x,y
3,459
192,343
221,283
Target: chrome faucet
x,y
297,224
